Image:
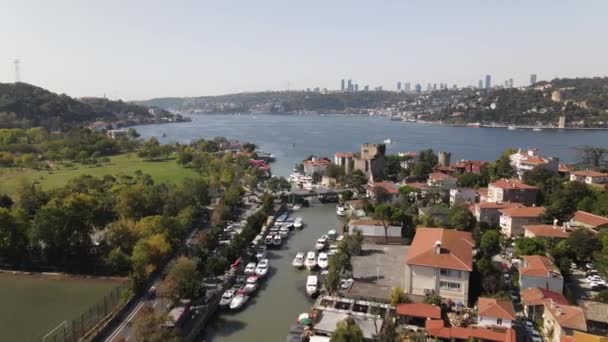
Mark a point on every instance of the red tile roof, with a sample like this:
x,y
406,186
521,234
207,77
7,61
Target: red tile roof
x,y
538,266
318,162
589,173
590,219
497,308
503,205
547,230
523,211
419,310
438,176
391,188
535,296
456,249
436,328
512,184
568,316
533,160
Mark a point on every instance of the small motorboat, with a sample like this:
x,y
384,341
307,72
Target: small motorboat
x,y
239,300
537,129
340,211
249,269
297,207
387,141
298,261
311,260
321,243
332,235
251,285
289,222
277,240
298,224
312,285
323,261
512,128
261,252
275,228
268,240
284,232
262,268
227,298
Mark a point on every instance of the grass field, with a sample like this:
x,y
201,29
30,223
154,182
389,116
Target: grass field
x,y
33,305
161,171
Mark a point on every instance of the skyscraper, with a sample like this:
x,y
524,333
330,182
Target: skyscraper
x,y
399,86
350,85
488,81
366,88
356,87
342,87
418,88
407,86
480,84
510,83
532,79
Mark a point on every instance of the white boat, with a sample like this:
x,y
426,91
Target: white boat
x,y
227,298
311,261
537,129
297,207
261,252
268,240
312,285
340,210
239,300
323,261
277,240
251,285
387,141
332,235
298,224
284,232
512,128
321,243
298,261
249,269
262,268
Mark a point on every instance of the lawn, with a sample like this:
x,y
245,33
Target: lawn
x,y
33,305
161,171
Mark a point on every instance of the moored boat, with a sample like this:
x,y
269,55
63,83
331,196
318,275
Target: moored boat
x,y
323,261
226,298
239,300
298,223
277,240
268,240
298,261
249,269
312,285
340,211
311,260
284,232
262,268
251,285
321,243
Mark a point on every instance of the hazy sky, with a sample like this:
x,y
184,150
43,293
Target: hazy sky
x,y
143,49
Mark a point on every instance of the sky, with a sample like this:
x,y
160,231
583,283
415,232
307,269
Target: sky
x,y
144,49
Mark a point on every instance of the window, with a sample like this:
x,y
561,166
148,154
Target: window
x,y
446,285
499,321
449,273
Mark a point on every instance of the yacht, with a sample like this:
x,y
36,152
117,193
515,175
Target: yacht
x,y
227,298
340,211
298,224
239,300
311,261
332,235
277,240
322,261
261,252
387,141
321,243
251,285
298,261
262,268
537,129
284,232
249,269
312,285
511,128
268,240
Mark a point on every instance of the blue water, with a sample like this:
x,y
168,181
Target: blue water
x,y
292,138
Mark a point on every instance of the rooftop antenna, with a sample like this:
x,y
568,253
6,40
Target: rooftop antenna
x,y
17,71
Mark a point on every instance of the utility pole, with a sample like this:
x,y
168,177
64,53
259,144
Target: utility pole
x,y
17,71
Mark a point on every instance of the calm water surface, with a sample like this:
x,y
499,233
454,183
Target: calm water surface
x,y
292,138
282,296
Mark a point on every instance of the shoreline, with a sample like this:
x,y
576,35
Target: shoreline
x,y
503,126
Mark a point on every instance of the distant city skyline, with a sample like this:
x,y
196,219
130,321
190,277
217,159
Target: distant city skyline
x,y
139,50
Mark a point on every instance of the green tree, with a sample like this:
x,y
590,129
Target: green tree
x,y
381,194
182,281
470,180
346,195
389,332
347,331
422,170
432,298
388,214
398,296
357,180
583,244
529,246
502,168
490,243
461,218
148,326
393,169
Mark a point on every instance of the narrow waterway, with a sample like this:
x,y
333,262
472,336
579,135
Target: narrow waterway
x,y
282,297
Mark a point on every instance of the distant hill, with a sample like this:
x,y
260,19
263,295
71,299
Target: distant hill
x,y
279,102
25,105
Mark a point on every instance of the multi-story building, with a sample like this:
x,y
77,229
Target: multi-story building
x,y
373,231
316,165
546,231
471,166
532,79
391,191
489,212
440,261
561,321
583,219
512,220
495,312
462,195
488,81
371,160
512,190
539,271
345,160
342,86
589,177
530,159
441,180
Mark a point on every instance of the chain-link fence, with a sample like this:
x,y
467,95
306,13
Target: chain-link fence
x,y
73,330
